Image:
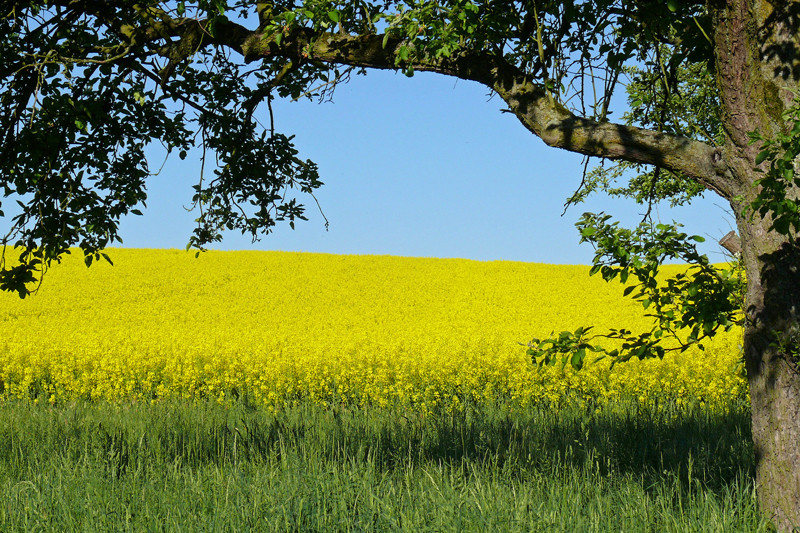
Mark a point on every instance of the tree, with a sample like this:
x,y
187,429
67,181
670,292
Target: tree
x,y
87,84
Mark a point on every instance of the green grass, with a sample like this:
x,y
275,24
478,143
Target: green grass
x,y
177,466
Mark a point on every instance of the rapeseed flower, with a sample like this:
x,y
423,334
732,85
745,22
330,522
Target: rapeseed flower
x,y
276,328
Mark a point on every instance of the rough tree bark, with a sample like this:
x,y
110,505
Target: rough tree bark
x,y
757,63
771,347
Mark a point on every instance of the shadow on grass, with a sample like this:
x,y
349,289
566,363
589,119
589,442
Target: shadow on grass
x,y
688,444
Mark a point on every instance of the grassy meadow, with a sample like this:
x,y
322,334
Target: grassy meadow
x,y
270,391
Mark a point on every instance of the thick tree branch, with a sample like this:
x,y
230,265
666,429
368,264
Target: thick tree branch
x,y
528,100
534,107
560,128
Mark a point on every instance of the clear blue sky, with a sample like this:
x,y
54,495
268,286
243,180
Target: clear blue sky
x,y
426,166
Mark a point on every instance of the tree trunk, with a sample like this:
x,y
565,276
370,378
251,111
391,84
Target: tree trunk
x,y
772,347
756,45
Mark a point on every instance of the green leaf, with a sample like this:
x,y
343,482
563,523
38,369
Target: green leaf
x,y
402,54
334,16
628,290
672,5
577,359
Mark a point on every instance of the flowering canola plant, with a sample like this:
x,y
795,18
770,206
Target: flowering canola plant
x,y
277,328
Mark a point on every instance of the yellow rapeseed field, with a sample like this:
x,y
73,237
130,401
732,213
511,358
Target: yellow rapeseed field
x,y
277,327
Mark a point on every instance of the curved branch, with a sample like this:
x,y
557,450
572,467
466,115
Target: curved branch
x,y
538,111
529,101
560,128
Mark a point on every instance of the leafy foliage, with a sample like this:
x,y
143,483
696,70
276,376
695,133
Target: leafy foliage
x,y
781,155
665,94
686,308
86,100
668,96
72,144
